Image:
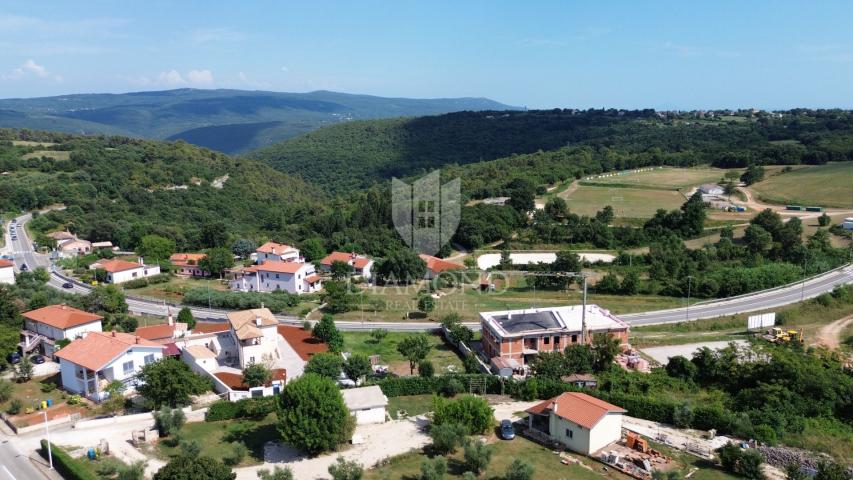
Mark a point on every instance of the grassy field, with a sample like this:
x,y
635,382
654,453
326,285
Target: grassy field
x,y
667,177
442,356
468,302
821,185
216,438
546,465
175,288
54,154
27,143
411,404
626,202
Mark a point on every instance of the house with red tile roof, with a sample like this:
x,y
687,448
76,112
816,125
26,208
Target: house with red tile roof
x,y
120,271
271,275
278,252
436,265
87,365
361,265
45,326
579,421
7,271
187,264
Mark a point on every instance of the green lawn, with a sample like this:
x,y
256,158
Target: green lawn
x,y
820,185
216,438
546,465
441,355
411,404
30,393
175,288
468,302
667,177
626,202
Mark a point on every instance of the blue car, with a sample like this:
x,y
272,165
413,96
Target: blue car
x,y
507,431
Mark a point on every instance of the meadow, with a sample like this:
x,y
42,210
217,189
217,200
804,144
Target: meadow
x,y
829,185
626,202
666,177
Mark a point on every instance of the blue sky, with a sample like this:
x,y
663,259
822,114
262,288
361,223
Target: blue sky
x,y
631,54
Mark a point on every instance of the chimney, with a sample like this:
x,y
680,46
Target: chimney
x,y
140,261
169,318
554,406
114,333
137,339
258,321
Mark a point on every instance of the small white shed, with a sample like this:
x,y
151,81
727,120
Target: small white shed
x,y
366,404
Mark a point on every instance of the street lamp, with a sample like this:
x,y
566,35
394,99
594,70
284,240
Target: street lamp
x,y
47,435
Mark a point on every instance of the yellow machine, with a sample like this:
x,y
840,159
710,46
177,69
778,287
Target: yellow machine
x,y
777,335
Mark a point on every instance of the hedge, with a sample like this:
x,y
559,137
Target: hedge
x,y
276,301
246,408
70,468
145,281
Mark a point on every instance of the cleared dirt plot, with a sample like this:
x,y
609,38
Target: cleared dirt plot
x,y
27,143
828,185
666,177
626,202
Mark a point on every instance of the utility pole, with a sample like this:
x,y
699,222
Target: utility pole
x,y
47,435
687,311
583,312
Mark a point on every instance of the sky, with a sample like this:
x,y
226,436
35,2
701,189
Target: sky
x,y
538,54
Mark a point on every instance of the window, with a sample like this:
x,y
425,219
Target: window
x,y
251,359
556,340
276,275
569,432
546,340
127,367
134,274
574,338
149,358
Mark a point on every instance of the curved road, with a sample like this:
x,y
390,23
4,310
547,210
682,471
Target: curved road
x,y
22,252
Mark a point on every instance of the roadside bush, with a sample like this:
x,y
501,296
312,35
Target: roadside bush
x,y
246,408
277,302
68,467
472,413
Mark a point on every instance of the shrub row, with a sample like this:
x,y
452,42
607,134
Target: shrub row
x,y
277,301
246,408
145,281
70,468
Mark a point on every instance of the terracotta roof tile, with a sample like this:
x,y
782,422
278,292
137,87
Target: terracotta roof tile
x,y
96,349
114,266
439,265
302,341
245,323
313,278
235,381
274,248
186,259
578,408
61,316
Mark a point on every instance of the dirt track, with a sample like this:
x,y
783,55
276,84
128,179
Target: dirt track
x,y
830,335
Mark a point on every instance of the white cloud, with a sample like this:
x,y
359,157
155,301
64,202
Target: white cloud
x,y
30,69
172,78
200,77
245,81
220,34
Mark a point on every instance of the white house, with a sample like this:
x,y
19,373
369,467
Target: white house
x,y
187,264
366,404
277,252
74,247
361,265
120,271
436,266
45,326
256,335
7,271
579,421
292,277
848,223
89,364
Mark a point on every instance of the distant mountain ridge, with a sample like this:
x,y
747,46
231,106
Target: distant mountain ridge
x,y
231,121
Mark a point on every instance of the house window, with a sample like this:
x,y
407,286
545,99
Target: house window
x,y
547,340
574,339
569,432
556,340
134,274
149,358
251,359
127,367
276,275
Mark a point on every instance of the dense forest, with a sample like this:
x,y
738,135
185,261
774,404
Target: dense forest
x,y
558,143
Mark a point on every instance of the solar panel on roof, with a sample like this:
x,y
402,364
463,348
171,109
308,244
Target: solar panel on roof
x,y
522,322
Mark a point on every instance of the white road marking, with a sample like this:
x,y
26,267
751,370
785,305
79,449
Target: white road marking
x,y
8,472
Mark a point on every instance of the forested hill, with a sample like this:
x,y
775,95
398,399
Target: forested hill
x,y
119,189
230,121
354,155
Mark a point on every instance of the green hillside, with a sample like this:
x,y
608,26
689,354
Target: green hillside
x,y
559,143
119,189
226,120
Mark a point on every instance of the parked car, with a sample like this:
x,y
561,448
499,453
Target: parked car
x,y
24,267
507,431
37,359
14,357
67,285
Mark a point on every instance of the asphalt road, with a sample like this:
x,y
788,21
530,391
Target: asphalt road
x,y
16,466
763,300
